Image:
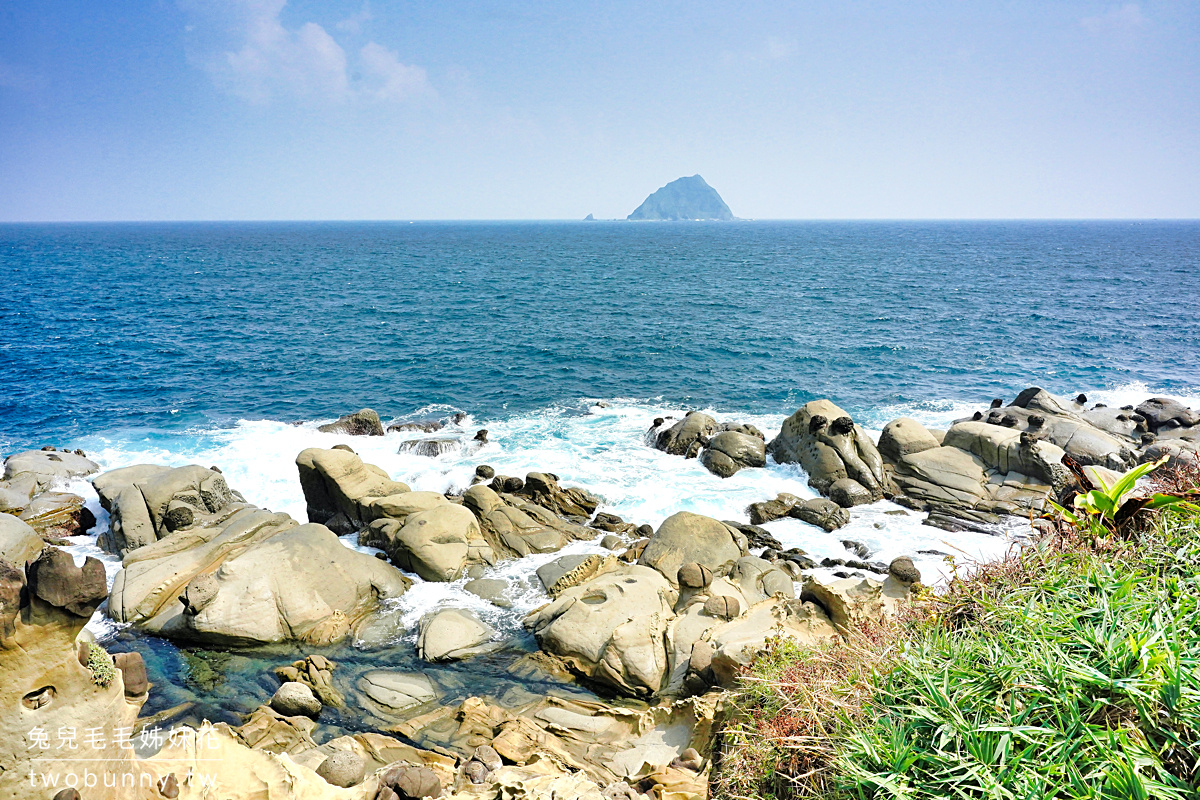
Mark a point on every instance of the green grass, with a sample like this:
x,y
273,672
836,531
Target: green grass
x,y
1067,671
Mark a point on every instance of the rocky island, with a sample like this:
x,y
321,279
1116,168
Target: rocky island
x,y
683,199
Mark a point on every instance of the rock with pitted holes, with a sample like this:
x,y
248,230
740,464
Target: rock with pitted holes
x,y
567,571
342,768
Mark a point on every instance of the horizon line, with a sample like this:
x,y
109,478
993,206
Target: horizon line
x,y
415,220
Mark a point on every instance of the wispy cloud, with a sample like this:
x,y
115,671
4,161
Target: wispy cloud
x,y
270,61
354,23
1123,19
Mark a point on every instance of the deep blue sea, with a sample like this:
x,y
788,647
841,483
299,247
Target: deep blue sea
x,y
227,344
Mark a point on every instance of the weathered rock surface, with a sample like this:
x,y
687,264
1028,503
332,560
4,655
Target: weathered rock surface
x,y
148,503
723,448
685,538
339,487
453,634
822,439
257,578
18,542
818,511
364,422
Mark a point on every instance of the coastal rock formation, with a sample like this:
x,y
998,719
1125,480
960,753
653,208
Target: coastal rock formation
x,y
18,542
683,199
723,448
338,487
841,460
1008,459
146,503
29,491
452,634
364,422
818,511
691,612
253,577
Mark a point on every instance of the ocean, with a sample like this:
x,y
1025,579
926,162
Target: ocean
x,y
226,344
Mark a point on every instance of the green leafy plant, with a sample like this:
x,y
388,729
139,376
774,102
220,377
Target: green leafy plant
x,y
100,665
1108,509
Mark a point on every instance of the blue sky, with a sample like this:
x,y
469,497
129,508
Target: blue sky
x,y
257,109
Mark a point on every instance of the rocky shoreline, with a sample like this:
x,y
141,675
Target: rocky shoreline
x,y
636,640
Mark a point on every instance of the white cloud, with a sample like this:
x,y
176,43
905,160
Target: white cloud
x,y
354,22
385,78
271,61
1126,18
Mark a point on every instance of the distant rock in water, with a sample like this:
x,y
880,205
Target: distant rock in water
x,y
589,218
685,198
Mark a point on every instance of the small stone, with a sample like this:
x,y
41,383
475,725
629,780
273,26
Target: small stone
x,y
410,783
611,542
695,576
481,435
903,570
67,794
169,787
1081,399
475,772
723,606
484,472
296,700
342,768
997,402
645,531
487,755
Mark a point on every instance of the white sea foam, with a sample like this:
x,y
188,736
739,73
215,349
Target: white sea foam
x,y
597,446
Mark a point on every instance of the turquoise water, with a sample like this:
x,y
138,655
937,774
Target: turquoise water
x,y
168,327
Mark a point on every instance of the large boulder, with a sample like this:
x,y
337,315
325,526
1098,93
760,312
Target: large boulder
x,y
18,542
48,468
685,538
822,439
453,634
56,515
903,436
1165,414
611,629
339,487
731,451
516,526
436,544
147,503
364,422
687,437
257,578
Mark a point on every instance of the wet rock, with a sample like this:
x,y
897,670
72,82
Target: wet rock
x,y
1165,414
567,571
453,634
755,536
730,451
611,542
484,473
57,515
494,590
364,422
769,510
847,493
542,488
133,673
684,438
858,548
294,699
342,768
825,514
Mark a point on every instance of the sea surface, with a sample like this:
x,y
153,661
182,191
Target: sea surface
x,y
226,344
